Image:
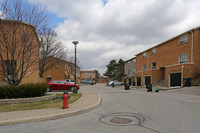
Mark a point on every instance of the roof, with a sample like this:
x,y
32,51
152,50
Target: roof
x,y
70,63
130,59
169,39
88,71
73,64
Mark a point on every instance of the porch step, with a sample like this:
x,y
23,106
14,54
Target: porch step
x,y
197,82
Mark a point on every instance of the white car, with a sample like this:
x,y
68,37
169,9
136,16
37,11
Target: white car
x,y
70,81
115,82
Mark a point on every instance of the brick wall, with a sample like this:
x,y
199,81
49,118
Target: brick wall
x,y
167,59
16,29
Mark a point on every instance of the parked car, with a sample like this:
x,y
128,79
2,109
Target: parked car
x,y
61,85
115,82
70,81
87,82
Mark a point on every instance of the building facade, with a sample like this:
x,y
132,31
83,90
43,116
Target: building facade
x,y
102,79
61,70
170,62
89,75
129,71
19,45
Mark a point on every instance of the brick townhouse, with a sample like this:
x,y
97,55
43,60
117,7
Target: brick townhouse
x,y
61,70
89,75
22,39
129,70
170,62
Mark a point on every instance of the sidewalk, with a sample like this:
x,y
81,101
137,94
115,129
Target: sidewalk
x,y
86,103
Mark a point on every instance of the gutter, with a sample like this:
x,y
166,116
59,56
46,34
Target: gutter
x,y
192,47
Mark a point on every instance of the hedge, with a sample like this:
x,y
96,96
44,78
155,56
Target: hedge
x,y
23,91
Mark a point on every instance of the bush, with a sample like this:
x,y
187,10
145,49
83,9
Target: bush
x,y
23,91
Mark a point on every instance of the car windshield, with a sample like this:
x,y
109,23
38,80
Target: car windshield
x,y
60,82
53,81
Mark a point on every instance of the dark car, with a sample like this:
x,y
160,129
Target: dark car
x,y
87,82
61,85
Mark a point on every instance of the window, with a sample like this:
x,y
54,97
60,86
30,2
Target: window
x,y
134,60
9,66
134,70
153,51
128,71
53,81
183,58
60,82
144,67
144,55
183,39
153,65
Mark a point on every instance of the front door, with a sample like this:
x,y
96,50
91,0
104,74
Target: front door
x,y
129,81
124,81
138,81
49,79
147,80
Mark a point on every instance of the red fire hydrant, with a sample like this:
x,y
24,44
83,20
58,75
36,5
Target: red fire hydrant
x,y
65,100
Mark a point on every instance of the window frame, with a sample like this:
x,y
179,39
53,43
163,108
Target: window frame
x,y
144,67
153,67
129,71
183,39
144,55
153,51
183,59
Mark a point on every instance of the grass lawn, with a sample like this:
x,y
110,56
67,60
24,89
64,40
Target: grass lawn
x,y
54,103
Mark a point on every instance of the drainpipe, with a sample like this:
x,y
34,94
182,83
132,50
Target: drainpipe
x,y
192,47
182,67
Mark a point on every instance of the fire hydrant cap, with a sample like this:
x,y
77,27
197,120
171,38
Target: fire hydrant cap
x,y
65,92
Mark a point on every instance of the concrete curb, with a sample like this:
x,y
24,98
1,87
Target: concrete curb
x,y
26,100
55,116
166,89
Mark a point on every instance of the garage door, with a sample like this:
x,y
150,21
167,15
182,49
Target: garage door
x,y
175,79
147,80
138,81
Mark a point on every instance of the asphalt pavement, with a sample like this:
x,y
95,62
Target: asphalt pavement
x,y
127,111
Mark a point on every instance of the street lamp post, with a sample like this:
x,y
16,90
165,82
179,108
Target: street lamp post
x,y
75,43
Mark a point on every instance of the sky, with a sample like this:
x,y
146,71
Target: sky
x,y
114,29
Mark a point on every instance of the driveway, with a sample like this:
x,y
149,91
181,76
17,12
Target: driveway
x,y
126,111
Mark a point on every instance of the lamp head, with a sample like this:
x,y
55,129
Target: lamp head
x,y
75,42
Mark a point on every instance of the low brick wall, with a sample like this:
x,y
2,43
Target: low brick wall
x,y
27,100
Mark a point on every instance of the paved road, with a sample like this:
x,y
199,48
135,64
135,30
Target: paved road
x,y
127,111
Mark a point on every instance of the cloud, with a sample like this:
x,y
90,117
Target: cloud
x,y
114,29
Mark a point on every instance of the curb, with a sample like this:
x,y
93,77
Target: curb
x,y
55,116
26,100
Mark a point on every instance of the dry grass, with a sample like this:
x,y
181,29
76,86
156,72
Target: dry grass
x,y
54,103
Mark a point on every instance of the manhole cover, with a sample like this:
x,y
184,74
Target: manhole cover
x,y
120,120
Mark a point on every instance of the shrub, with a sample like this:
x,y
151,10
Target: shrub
x,y
23,91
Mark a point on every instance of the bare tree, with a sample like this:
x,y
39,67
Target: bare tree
x,y
35,15
50,47
19,44
72,59
23,11
19,50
